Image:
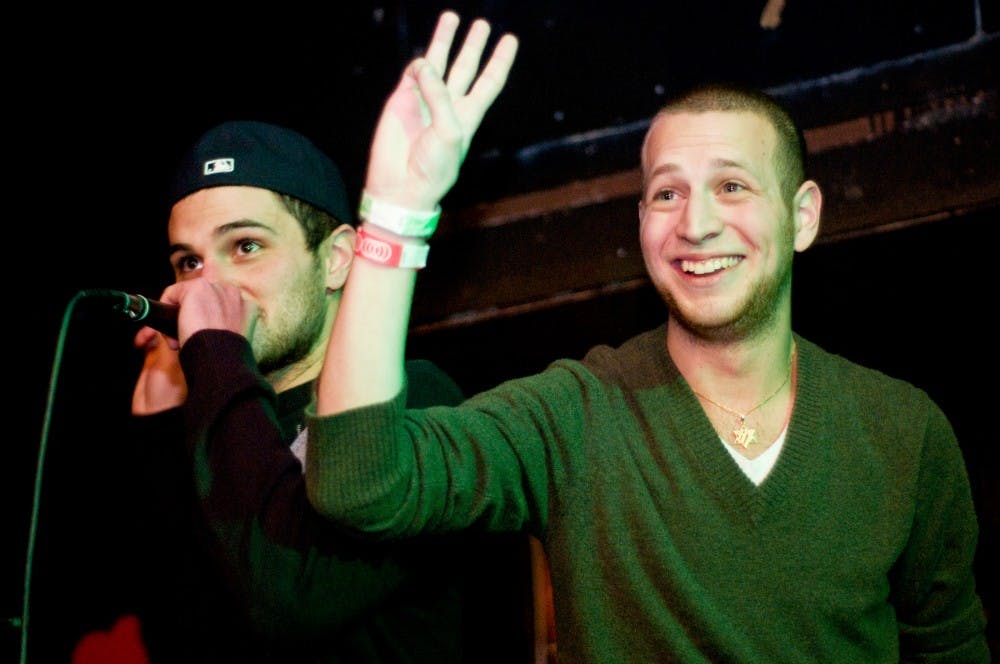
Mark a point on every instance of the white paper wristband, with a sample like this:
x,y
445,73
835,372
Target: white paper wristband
x,y
398,220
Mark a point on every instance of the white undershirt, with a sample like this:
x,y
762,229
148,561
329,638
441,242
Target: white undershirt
x,y
299,447
757,469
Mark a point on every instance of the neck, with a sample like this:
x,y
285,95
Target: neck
x,y
747,390
738,374
296,374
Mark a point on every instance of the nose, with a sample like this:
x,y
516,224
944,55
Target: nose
x,y
699,220
212,270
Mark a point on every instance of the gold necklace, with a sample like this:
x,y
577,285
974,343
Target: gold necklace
x,y
743,435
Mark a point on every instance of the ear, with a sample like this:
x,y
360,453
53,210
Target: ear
x,y
339,256
807,206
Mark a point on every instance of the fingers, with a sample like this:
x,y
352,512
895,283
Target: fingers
x,y
430,117
146,338
463,70
452,105
494,76
440,46
438,103
466,65
206,304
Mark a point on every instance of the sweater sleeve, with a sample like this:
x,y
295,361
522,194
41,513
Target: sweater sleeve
x,y
940,615
292,569
490,464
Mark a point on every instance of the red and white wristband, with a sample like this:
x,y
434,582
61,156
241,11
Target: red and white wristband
x,y
389,253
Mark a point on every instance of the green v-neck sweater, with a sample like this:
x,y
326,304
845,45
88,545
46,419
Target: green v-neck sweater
x,y
858,547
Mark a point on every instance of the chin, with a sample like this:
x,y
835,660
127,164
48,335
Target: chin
x,y
714,325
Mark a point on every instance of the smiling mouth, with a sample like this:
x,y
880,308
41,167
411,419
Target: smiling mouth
x,y
710,265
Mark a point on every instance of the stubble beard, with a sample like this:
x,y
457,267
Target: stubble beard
x,y
291,333
754,315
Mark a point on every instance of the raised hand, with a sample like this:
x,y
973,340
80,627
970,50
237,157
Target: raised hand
x,y
428,121
421,139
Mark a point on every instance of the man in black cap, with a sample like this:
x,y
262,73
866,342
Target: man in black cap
x,y
242,568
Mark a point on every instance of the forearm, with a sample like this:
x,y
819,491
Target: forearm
x,y
292,568
420,141
365,358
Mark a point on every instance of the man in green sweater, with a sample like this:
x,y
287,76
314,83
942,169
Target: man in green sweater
x,y
718,489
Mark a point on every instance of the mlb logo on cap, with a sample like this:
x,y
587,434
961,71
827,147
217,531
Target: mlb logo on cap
x,y
227,165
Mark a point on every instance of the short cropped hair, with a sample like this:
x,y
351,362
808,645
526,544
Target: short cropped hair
x,y
316,224
790,151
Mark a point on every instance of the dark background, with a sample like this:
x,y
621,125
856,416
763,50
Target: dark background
x,y
536,257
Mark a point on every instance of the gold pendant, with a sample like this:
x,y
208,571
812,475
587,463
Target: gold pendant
x,y
744,436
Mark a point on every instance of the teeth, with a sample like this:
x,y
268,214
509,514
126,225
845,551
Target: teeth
x,y
710,265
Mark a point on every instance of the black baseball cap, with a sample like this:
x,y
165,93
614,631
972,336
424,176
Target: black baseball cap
x,y
258,154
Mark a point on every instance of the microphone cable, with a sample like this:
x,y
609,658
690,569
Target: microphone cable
x,y
22,621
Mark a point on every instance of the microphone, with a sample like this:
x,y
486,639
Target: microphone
x,y
160,316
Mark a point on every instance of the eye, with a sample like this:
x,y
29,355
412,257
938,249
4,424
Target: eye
x,y
247,246
732,187
665,195
186,264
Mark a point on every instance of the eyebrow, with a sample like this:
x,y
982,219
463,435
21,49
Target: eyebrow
x,y
718,163
224,229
